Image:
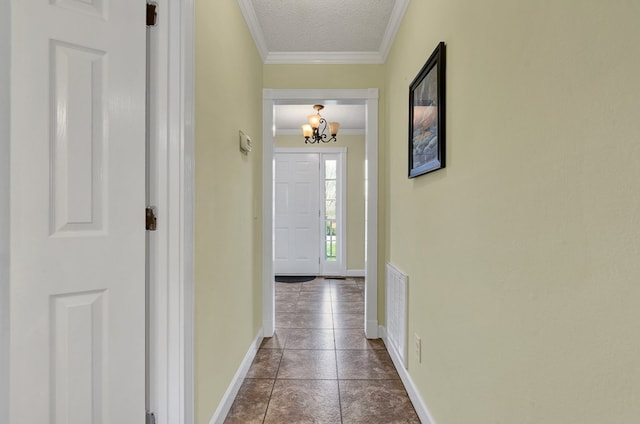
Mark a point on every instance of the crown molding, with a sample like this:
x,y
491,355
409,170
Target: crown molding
x,y
332,58
397,14
250,17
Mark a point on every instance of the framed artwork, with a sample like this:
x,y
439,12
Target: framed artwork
x,y
426,116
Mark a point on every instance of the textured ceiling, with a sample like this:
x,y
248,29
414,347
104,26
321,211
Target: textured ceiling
x,y
323,31
329,25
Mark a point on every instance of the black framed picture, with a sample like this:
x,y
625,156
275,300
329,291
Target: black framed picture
x,y
426,116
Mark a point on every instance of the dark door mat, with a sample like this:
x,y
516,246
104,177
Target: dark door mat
x,y
294,278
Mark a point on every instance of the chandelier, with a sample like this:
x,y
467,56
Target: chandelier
x,y
316,130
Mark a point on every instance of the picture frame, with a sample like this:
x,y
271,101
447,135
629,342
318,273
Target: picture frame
x,y
427,116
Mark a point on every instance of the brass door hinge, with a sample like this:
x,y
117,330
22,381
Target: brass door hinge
x,y
152,15
151,220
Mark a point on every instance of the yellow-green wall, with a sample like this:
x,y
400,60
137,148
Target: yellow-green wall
x,y
524,253
228,264
324,76
355,145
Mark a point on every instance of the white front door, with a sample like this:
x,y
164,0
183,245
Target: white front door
x,y
296,214
77,212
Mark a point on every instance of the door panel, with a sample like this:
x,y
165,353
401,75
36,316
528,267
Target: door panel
x,y
77,205
296,214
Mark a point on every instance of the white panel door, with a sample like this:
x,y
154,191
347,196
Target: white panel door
x,y
296,214
77,212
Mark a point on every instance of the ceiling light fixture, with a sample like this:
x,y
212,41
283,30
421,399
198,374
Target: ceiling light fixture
x,y
315,130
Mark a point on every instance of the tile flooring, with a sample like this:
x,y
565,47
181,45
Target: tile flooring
x,y
319,367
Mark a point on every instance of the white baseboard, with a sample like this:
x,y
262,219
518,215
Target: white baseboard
x,y
372,329
355,273
227,400
229,396
412,391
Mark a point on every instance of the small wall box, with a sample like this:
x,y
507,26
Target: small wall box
x,y
245,143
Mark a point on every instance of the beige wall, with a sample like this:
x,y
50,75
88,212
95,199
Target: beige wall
x,y
523,254
228,193
323,76
355,145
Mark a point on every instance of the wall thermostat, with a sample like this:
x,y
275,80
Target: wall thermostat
x,y
245,143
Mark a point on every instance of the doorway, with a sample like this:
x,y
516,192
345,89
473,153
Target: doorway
x,y
368,98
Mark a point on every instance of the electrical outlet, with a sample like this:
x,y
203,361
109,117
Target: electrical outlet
x,y
418,347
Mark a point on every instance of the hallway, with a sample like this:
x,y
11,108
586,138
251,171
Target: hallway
x,y
319,367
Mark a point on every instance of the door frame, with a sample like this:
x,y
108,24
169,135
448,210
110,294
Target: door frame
x,y
369,98
5,117
171,321
342,199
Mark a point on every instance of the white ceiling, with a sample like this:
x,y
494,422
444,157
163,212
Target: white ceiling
x,y
323,31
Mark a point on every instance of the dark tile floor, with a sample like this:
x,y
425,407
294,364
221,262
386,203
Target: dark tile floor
x,y
319,367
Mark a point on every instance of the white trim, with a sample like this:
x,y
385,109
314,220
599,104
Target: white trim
x,y
399,9
232,391
418,403
369,97
268,287
171,327
250,17
187,201
324,58
355,273
310,149
5,137
319,57
371,217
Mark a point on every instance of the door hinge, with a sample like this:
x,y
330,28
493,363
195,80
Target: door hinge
x,y
151,418
152,15
151,220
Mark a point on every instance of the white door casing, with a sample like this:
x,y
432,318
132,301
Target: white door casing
x,y
77,203
368,97
5,67
171,191
296,214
